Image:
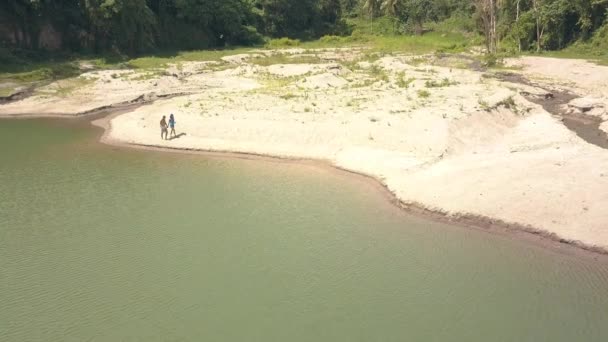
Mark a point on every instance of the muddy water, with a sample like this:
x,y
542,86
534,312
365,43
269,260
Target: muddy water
x,y
106,244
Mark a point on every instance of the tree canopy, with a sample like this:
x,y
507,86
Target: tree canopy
x,y
137,26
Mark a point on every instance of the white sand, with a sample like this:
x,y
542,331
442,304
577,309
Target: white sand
x,y
457,151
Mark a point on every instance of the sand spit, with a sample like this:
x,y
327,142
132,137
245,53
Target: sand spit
x,y
440,138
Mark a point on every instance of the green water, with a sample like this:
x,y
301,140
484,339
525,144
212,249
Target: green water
x,y
106,244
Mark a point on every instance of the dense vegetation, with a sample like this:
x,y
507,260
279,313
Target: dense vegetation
x,y
132,27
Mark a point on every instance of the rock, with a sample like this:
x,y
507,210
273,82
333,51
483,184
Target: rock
x,y
585,104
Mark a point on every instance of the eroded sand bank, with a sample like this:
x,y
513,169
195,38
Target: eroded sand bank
x,y
436,134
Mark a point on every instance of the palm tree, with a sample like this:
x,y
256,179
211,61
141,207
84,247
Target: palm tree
x,y
371,7
390,8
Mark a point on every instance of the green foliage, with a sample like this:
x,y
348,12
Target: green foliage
x,y
549,24
446,82
285,59
423,94
39,72
283,42
123,28
403,82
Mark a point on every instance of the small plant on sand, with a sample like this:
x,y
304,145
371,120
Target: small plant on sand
x,y
423,94
288,96
402,82
417,61
144,76
355,103
351,65
364,83
307,109
484,105
379,73
220,66
509,103
446,82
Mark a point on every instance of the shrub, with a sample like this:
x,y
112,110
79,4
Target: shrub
x,y
249,35
282,42
330,39
402,82
444,83
423,94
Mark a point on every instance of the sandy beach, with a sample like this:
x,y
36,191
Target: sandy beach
x,y
438,134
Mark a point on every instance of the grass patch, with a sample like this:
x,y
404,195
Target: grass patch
x,y
286,59
147,75
423,94
289,96
159,62
274,84
379,73
364,83
411,44
282,43
417,61
484,105
509,102
7,91
41,72
578,51
67,87
446,82
403,82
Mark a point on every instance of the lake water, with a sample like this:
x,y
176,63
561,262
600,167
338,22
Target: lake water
x,y
105,244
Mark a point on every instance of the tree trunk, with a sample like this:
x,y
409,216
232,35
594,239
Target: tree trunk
x,y
538,25
492,26
517,23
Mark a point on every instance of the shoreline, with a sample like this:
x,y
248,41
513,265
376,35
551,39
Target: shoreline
x,y
489,225
480,153
100,119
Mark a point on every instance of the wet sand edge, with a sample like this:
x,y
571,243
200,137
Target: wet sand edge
x,y
101,119
478,222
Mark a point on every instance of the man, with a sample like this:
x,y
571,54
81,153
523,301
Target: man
x,y
163,128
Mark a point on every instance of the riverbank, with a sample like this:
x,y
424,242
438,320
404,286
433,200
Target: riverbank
x,y
444,139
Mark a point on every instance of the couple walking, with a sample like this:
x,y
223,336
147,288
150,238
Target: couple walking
x,y
163,127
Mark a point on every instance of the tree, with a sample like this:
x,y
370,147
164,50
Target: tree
x,y
127,25
416,12
371,7
390,8
487,11
329,14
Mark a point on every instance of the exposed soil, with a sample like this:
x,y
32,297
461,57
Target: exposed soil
x,y
587,127
20,95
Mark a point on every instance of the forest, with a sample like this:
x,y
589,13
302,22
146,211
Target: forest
x,y
134,27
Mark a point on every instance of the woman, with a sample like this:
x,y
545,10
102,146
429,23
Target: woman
x,y
172,125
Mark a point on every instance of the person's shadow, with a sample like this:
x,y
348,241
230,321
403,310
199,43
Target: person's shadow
x,y
177,136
